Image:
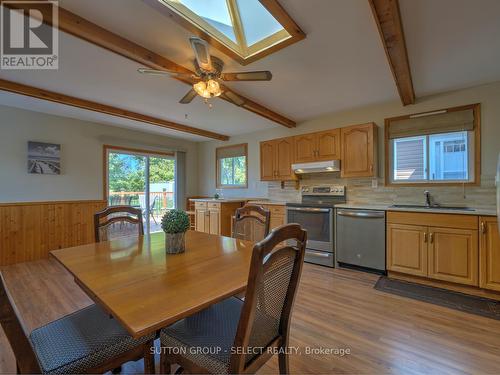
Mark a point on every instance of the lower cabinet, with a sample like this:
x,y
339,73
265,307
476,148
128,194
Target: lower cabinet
x,y
201,219
489,251
215,217
277,216
407,249
214,221
453,255
436,250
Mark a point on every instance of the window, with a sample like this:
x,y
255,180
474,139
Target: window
x,y
433,148
232,166
243,29
410,159
143,180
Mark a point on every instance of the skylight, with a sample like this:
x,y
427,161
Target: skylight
x,y
258,23
243,29
215,12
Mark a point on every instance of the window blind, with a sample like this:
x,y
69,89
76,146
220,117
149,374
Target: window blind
x,y
433,124
231,151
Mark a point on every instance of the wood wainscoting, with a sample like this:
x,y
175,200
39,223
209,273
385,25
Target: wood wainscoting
x,y
28,231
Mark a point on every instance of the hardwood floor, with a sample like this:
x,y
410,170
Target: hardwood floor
x,y
335,309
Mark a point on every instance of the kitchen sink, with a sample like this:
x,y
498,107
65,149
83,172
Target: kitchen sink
x,y
432,207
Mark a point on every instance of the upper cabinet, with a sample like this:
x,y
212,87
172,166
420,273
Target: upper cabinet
x,y
267,151
317,146
355,146
276,158
358,150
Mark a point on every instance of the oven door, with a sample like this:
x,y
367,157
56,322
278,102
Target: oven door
x,y
319,225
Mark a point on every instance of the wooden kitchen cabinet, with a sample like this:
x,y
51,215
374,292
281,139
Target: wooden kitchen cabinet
x,y
201,219
489,250
267,151
215,217
435,246
407,249
276,158
358,150
453,255
305,148
318,146
328,145
277,217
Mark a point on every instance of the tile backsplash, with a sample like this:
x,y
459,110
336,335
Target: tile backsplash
x,y
360,190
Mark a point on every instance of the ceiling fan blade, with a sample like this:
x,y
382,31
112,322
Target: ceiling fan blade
x,y
201,52
248,76
188,98
233,98
165,73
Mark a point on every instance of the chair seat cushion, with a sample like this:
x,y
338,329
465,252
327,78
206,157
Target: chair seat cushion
x,y
81,341
212,330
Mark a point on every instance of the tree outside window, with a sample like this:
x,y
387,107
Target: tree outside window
x,y
232,166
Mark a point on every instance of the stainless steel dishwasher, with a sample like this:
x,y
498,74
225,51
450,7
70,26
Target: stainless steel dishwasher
x,y
360,236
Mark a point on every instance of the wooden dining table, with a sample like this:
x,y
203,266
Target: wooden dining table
x,y
146,289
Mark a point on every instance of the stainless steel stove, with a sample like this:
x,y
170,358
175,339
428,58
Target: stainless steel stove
x,y
315,213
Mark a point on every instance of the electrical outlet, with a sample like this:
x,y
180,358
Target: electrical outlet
x,y
374,183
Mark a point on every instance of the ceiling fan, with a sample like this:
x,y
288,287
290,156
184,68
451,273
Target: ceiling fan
x,y
208,74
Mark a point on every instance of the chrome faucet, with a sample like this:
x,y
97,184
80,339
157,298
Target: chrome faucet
x,y
427,198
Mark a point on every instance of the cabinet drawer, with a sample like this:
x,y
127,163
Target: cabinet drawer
x,y
214,206
200,205
276,210
430,219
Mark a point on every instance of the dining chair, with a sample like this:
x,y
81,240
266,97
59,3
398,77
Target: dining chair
x,y
251,223
117,221
240,336
86,341
142,204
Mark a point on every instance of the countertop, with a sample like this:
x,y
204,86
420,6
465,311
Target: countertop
x,y
268,202
477,211
223,200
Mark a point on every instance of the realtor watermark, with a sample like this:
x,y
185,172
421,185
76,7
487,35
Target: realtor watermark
x,y
29,35
217,350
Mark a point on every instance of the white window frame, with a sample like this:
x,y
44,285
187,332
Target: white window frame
x,y
469,149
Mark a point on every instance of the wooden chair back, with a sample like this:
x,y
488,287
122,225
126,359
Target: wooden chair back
x,y
16,333
251,223
272,285
117,221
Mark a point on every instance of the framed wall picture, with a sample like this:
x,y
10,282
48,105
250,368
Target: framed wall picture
x,y
44,158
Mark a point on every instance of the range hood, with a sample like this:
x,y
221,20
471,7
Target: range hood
x,y
317,167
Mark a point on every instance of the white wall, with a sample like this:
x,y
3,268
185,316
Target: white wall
x,y
81,155
487,95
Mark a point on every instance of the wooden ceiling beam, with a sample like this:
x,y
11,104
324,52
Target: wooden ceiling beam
x,y
55,97
79,27
388,19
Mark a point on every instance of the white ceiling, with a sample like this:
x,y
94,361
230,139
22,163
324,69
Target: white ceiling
x,y
340,65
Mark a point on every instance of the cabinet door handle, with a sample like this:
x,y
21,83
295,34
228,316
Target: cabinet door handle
x,y
371,167
425,237
483,227
431,237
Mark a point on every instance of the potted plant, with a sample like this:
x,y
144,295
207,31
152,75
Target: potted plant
x,y
175,223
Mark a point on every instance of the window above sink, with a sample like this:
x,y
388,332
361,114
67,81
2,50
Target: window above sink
x,y
439,147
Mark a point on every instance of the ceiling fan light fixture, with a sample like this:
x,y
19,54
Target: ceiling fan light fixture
x,y
207,89
213,87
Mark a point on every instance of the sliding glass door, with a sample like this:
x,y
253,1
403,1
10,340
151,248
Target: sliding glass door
x,y
142,180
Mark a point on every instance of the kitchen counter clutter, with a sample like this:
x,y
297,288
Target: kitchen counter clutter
x,y
434,210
